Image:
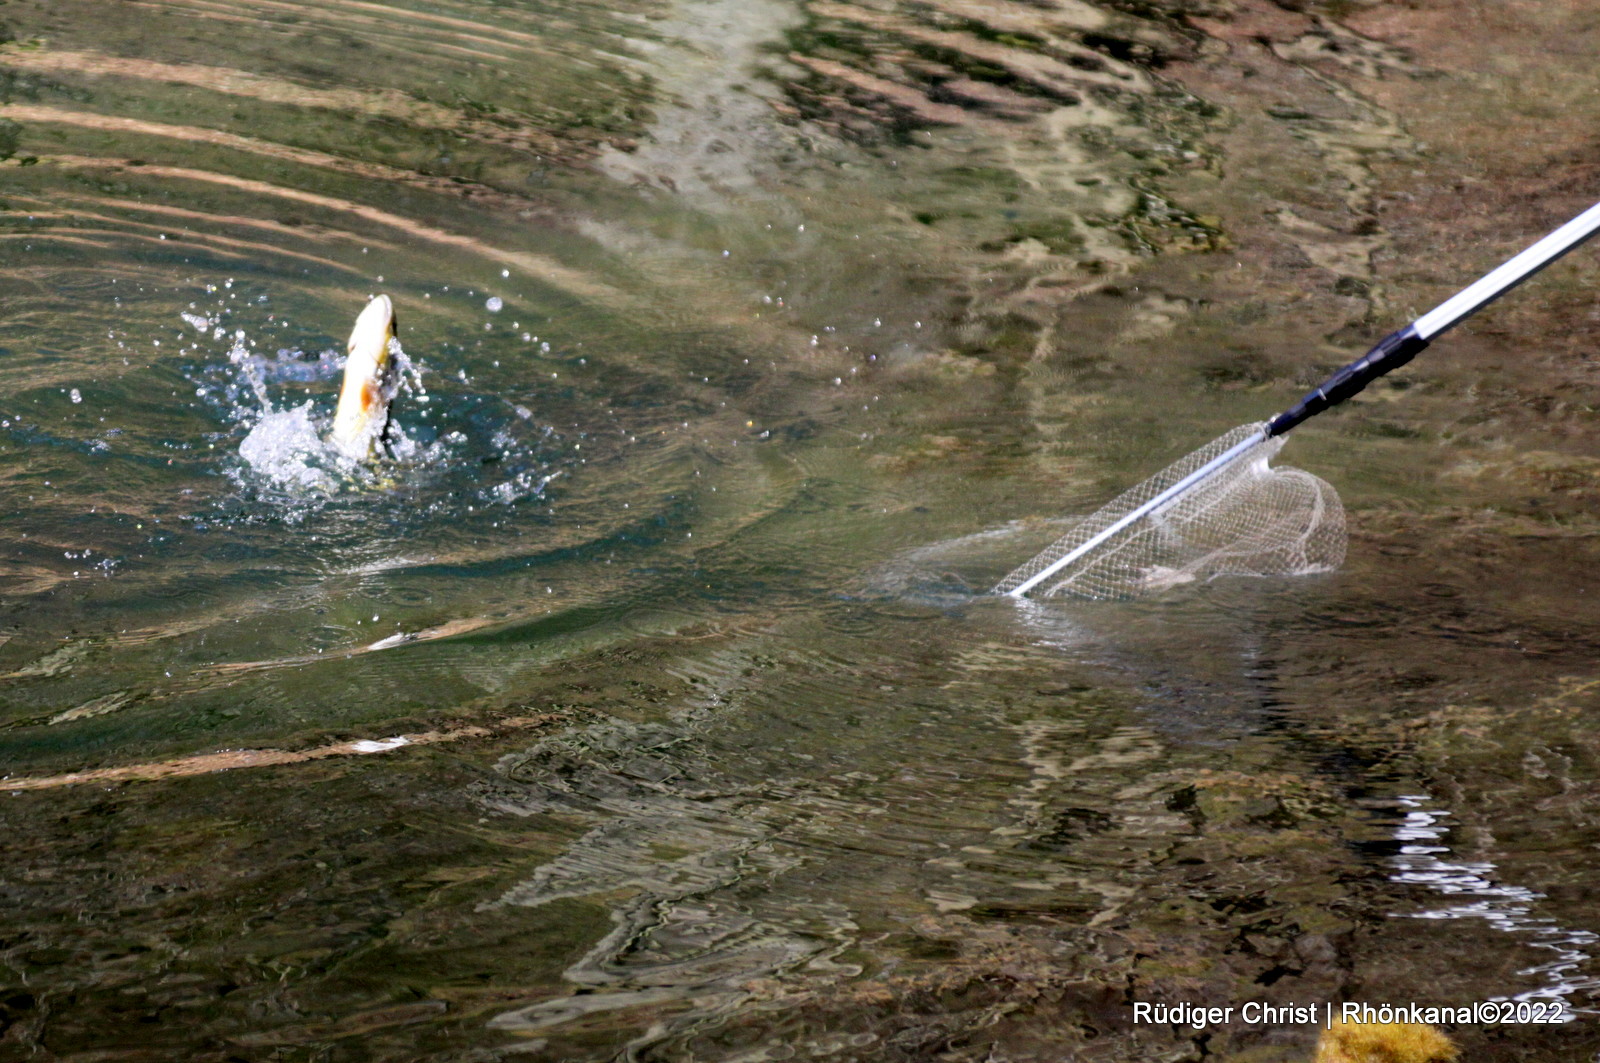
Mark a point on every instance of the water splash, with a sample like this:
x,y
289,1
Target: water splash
x,y
444,452
290,448
952,572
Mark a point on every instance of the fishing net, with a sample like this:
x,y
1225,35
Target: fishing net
x,y
1241,517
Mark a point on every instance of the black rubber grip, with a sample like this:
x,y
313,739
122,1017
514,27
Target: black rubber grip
x,y
1391,352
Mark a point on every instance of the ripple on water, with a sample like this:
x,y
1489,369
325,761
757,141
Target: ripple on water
x,y
531,479
1474,891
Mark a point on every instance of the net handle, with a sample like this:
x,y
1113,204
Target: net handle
x,y
1398,348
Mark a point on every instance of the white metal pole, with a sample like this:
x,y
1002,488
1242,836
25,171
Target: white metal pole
x,y
1508,275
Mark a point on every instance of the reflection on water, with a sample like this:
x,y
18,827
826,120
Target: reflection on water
x,y
1507,908
651,706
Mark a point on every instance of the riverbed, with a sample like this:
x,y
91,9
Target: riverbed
x,y
656,708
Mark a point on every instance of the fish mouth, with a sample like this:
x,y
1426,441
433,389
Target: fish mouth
x,y
361,421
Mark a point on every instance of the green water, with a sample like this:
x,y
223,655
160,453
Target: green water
x,y
808,321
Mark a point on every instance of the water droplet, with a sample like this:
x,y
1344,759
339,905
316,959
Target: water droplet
x,y
76,396
493,304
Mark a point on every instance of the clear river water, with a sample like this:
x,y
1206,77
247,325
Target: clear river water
x,y
653,707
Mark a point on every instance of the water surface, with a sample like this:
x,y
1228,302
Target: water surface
x,y
654,708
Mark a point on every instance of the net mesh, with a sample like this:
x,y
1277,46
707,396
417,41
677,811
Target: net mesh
x,y
1243,518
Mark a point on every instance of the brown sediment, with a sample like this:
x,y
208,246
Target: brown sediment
x,y
535,265
231,759
362,170
274,233
226,673
275,228
1052,132
1008,72
370,14
1242,879
390,103
895,93
1051,69
244,250
198,134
